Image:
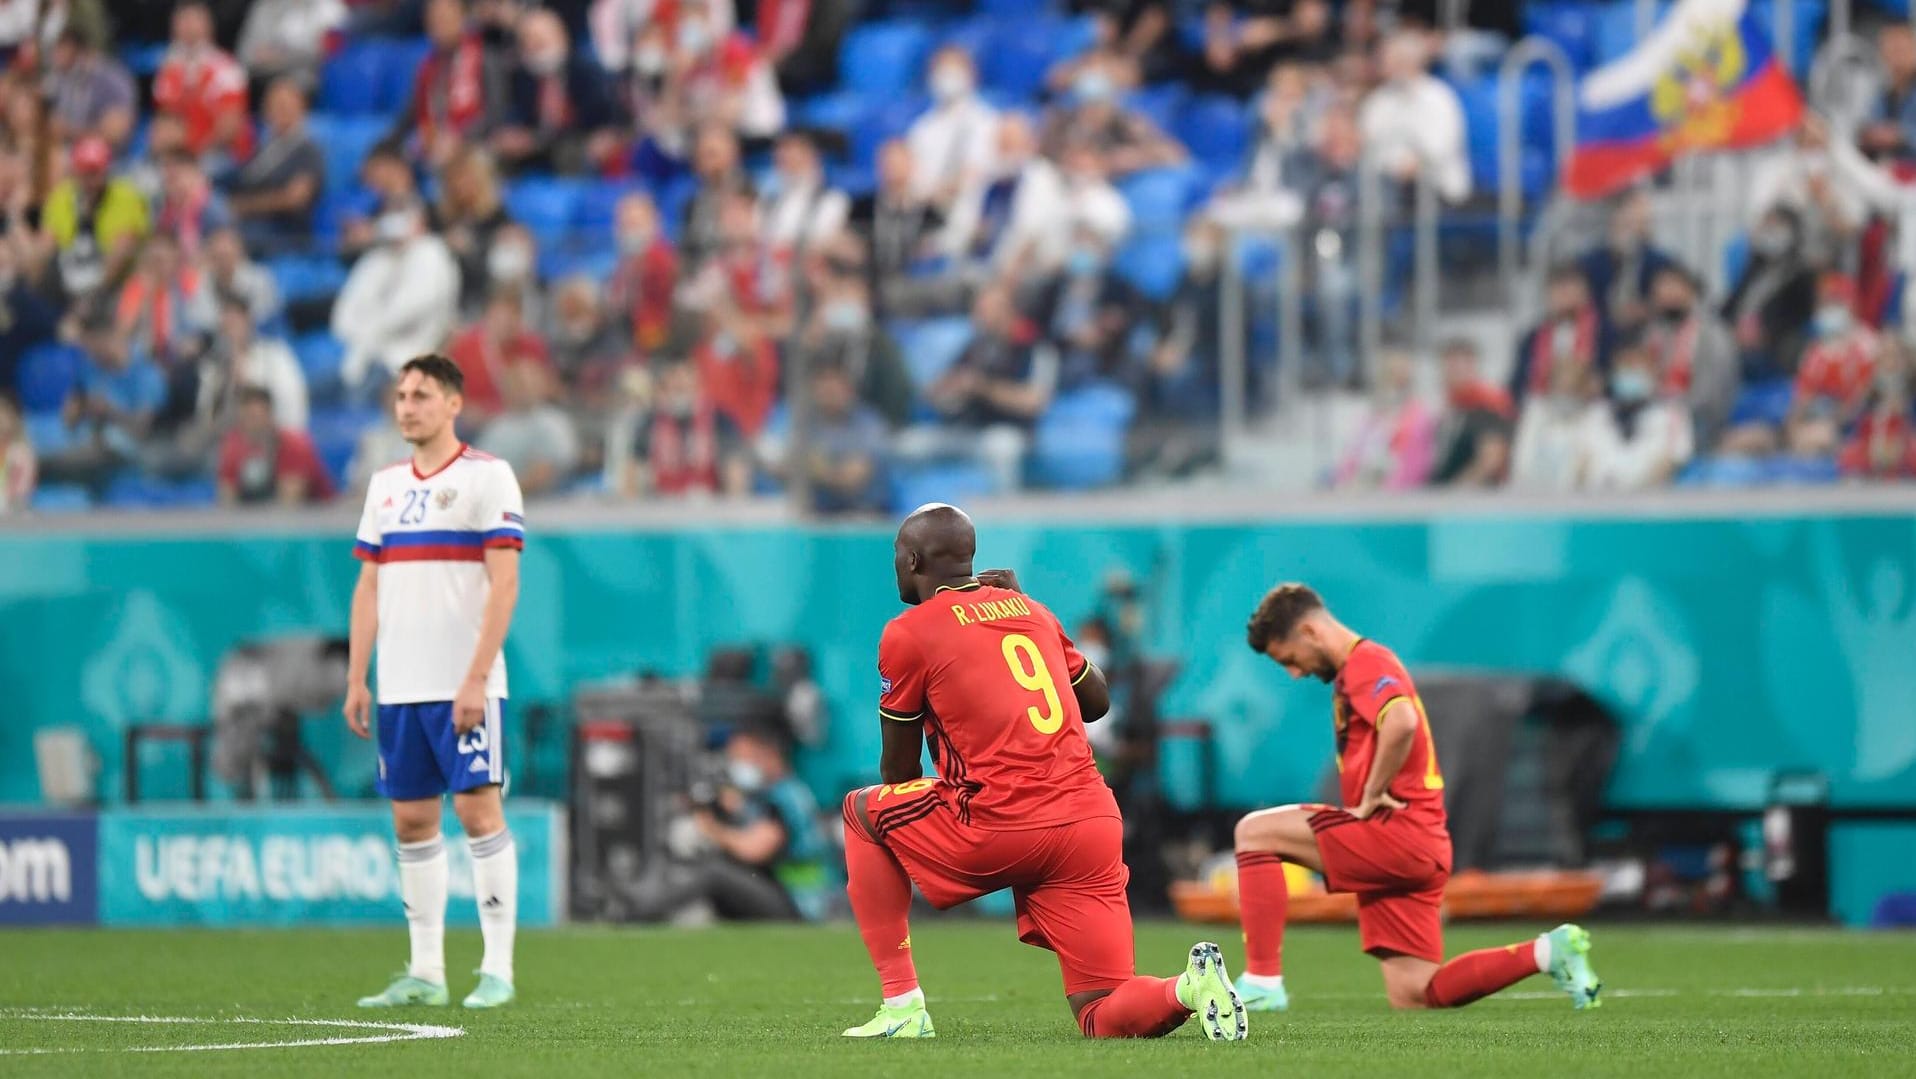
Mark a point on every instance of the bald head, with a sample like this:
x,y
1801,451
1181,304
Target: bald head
x,y
934,548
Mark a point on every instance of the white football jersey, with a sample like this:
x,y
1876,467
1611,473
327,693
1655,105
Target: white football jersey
x,y
429,535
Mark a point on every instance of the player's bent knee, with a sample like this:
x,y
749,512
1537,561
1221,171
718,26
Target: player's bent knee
x,y
857,813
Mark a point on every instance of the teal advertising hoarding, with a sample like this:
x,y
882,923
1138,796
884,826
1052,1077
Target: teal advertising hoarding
x,y
1729,647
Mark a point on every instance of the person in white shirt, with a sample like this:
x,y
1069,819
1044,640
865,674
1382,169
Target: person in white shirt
x,y
399,301
1558,429
1414,123
798,210
440,540
243,358
1649,436
954,146
1033,225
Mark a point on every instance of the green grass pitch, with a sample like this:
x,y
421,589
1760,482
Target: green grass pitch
x,y
770,1002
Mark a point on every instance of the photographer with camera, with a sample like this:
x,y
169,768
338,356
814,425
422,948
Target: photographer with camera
x,y
761,853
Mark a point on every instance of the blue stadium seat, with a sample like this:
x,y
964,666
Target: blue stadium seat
x,y
931,346
1152,262
48,373
599,202
307,277
353,79
61,498
1569,23
1159,104
1024,48
1159,197
47,433
841,111
1763,402
1079,443
319,355
883,58
1216,129
345,140
974,35
336,432
143,61
887,120
402,61
954,483
546,205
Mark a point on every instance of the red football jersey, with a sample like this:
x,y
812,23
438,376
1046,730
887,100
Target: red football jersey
x,y
990,672
1371,682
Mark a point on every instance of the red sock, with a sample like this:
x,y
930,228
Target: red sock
x,y
1263,900
881,903
1475,975
1143,1007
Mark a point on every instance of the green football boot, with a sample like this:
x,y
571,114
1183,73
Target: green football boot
x,y
1570,966
491,992
1205,988
905,1021
407,991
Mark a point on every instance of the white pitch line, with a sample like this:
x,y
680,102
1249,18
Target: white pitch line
x,y
391,1032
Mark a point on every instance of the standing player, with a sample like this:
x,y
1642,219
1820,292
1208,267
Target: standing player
x,y
440,539
1003,694
1390,844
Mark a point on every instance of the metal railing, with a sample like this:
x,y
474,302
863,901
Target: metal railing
x,y
1527,53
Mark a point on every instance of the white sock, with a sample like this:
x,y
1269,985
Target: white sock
x,y
1263,981
1541,950
905,1000
495,887
422,884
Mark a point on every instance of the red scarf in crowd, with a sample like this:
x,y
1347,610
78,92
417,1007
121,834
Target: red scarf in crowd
x,y
452,92
685,458
1543,356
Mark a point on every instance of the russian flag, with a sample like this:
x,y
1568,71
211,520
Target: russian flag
x,y
1705,79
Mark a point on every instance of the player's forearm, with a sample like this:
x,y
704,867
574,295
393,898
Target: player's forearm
x,y
1394,734
500,602
365,624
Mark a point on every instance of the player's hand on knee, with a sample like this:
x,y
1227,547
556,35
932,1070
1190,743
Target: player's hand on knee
x,y
999,578
358,710
1365,808
469,707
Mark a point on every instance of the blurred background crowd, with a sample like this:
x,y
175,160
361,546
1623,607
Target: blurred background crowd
x,y
874,252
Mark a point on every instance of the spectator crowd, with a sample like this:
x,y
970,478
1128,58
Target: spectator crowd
x,y
704,249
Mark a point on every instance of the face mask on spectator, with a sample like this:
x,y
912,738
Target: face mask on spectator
x,y
546,62
746,777
1082,262
508,262
649,60
1092,86
1771,240
1833,321
634,242
844,316
1674,315
393,228
694,38
950,83
1631,385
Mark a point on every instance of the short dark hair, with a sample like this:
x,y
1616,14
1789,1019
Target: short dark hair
x,y
1279,612
255,395
439,369
1564,273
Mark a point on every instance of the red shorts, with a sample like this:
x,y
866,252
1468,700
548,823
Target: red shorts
x,y
1068,880
1397,868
